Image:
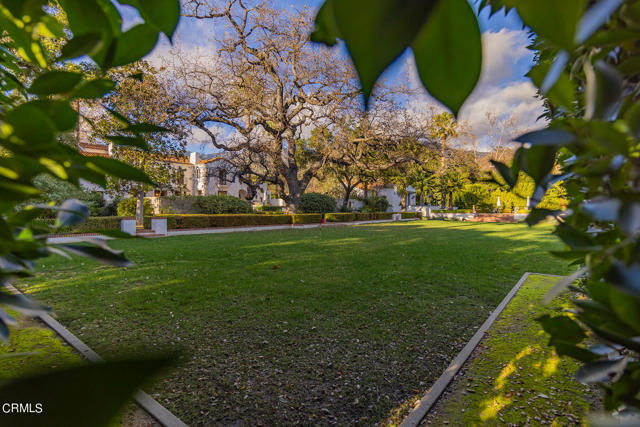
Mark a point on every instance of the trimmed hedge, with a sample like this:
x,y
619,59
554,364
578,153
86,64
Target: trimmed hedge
x,y
180,222
406,215
269,208
94,223
307,218
452,211
339,217
316,203
357,216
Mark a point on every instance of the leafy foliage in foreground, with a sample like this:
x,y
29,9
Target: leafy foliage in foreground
x,y
39,91
587,69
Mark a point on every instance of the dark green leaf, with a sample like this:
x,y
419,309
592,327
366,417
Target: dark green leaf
x,y
562,329
538,214
632,117
72,212
129,141
630,218
144,127
55,82
92,393
23,304
81,44
602,208
600,371
162,14
578,353
626,278
382,31
94,88
63,116
547,137
572,237
134,44
448,52
326,28
595,17
118,169
538,162
31,124
603,92
505,173
102,255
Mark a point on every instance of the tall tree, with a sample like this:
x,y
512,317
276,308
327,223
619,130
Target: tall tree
x,y
267,86
139,96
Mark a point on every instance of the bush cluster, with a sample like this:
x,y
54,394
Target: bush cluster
x,y
307,218
94,223
376,204
127,207
269,209
356,216
316,203
225,220
212,205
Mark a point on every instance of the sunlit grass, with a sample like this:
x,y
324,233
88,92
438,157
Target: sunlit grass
x,y
297,326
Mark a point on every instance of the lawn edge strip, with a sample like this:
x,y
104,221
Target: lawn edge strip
x,y
161,414
416,415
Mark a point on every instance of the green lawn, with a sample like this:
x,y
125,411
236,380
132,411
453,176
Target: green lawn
x,y
344,324
514,377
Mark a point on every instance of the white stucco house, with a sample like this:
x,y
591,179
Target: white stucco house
x,y
198,175
390,191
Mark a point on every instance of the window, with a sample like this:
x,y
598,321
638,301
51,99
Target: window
x,y
222,175
181,178
222,193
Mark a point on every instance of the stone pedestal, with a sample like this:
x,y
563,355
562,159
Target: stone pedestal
x,y
128,225
159,226
396,217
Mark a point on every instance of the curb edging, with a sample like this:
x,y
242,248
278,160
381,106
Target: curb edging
x,y
433,394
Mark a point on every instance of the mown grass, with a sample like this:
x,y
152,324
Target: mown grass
x,y
326,325
514,377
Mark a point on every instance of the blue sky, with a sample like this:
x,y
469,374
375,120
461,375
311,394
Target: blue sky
x,y
503,88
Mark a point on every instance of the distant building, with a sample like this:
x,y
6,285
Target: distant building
x,y
198,175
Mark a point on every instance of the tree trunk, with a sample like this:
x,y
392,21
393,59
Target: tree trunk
x,y
450,199
140,208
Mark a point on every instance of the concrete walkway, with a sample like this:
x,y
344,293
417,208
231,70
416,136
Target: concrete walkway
x,y
216,230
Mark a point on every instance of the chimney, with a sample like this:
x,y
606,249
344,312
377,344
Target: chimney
x,y
194,157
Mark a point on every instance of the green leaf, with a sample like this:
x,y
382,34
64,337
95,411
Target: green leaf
x,y
448,52
134,43
144,128
601,370
625,278
102,255
538,162
55,82
505,173
632,117
72,212
62,115
31,124
561,93
81,44
538,214
578,353
562,329
602,208
132,141
92,393
603,91
86,17
162,14
118,169
382,31
553,20
94,89
21,303
547,137
572,237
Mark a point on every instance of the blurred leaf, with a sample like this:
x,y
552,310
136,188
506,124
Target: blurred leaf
x,y
630,218
547,137
555,21
92,393
538,162
448,53
62,115
30,124
603,91
162,14
55,82
102,255
596,16
562,329
573,237
538,214
134,43
388,25
81,44
23,304
632,117
144,127
601,370
579,353
119,169
625,278
94,88
505,173
133,141
602,208
72,212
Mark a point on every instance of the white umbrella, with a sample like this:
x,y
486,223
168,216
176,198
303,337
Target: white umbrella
x,y
498,203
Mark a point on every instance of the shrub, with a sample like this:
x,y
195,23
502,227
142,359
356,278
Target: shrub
x,y
376,204
211,205
210,221
478,195
316,203
411,215
127,207
110,209
307,218
339,217
92,224
269,208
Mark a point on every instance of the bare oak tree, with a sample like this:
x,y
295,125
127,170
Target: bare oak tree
x,y
267,87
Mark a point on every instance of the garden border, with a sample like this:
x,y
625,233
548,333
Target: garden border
x,y
158,412
417,414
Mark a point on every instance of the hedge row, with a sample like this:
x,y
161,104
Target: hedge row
x,y
406,215
93,224
357,216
